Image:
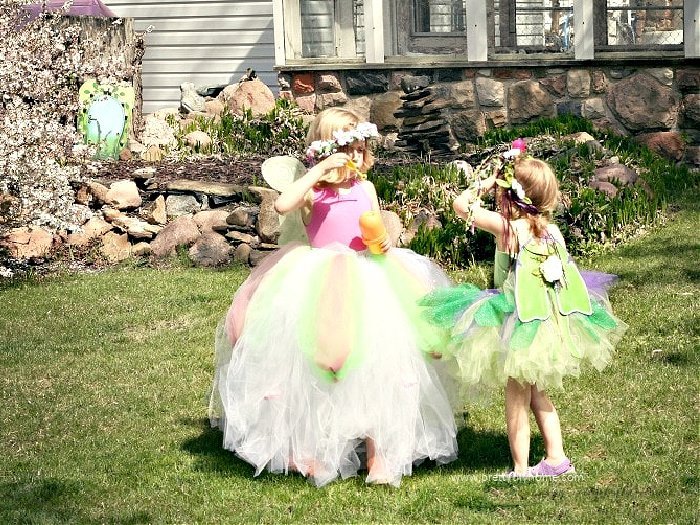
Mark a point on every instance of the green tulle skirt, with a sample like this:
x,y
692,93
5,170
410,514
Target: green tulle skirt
x,y
490,344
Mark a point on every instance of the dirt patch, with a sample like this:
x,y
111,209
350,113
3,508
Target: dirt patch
x,y
234,170
244,171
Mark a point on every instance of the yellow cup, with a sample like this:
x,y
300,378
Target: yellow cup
x,y
373,231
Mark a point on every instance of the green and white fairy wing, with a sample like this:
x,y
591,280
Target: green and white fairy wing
x,y
572,294
531,298
279,172
533,292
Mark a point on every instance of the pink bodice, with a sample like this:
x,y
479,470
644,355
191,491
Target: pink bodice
x,y
335,217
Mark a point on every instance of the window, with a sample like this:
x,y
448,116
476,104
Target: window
x,y
430,27
331,28
640,24
405,32
439,16
533,26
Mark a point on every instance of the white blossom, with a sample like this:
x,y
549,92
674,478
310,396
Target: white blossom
x,y
43,65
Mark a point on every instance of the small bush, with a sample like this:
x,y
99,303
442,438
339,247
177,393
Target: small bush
x,y
282,131
44,62
590,220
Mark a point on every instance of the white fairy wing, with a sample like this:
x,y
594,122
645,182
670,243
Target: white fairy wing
x,y
279,173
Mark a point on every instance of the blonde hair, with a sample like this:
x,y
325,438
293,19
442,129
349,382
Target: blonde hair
x,y
541,186
322,128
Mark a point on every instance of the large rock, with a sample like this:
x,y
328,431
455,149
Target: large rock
x,y
123,194
668,144
253,95
618,173
116,247
461,94
268,226
383,108
212,220
182,231
491,92
593,108
329,100
691,111
95,227
24,243
362,82
210,249
155,211
328,83
468,125
527,101
190,100
578,83
641,103
136,228
361,106
178,205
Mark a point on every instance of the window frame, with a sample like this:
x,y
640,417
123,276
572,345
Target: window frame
x,y
386,42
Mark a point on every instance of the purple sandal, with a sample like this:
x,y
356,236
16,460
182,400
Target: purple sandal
x,y
544,469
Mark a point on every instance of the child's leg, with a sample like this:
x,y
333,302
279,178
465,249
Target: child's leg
x,y
518,423
375,465
548,423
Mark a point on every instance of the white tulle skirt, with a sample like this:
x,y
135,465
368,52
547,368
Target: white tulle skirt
x,y
324,350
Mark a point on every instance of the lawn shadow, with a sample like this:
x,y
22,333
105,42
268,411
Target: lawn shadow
x,y
477,451
54,500
211,456
489,450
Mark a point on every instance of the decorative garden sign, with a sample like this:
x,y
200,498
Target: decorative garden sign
x,y
104,118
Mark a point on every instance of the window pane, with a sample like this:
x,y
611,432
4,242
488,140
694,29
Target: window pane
x,y
318,20
358,18
534,26
317,38
439,16
644,22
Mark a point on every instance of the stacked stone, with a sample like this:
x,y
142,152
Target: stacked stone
x,y
425,128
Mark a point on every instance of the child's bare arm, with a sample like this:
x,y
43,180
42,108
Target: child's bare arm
x,y
468,206
294,197
372,194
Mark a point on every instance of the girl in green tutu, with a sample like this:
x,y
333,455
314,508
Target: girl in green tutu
x,y
542,323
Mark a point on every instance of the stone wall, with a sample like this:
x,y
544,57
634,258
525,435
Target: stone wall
x,y
437,109
144,217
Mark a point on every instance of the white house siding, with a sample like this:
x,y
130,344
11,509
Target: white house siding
x,y
200,41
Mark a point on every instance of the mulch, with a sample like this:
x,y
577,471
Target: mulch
x,y
226,169
243,171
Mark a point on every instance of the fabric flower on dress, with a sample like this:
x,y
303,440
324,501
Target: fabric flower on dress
x,y
552,270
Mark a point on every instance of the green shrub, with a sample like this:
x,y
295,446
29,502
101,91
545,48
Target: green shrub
x,y
590,220
423,189
282,131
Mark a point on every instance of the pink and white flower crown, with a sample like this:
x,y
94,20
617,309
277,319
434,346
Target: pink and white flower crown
x,y
319,149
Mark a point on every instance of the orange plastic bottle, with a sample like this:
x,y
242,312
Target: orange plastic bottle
x,y
373,231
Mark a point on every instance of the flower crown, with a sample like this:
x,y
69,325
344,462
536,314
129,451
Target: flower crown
x,y
503,167
319,149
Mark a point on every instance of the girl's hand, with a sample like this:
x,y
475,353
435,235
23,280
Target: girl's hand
x,y
333,162
386,244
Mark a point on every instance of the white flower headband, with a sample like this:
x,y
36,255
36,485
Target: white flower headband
x,y
506,178
323,148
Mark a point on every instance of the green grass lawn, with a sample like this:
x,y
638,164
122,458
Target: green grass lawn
x,y
104,386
